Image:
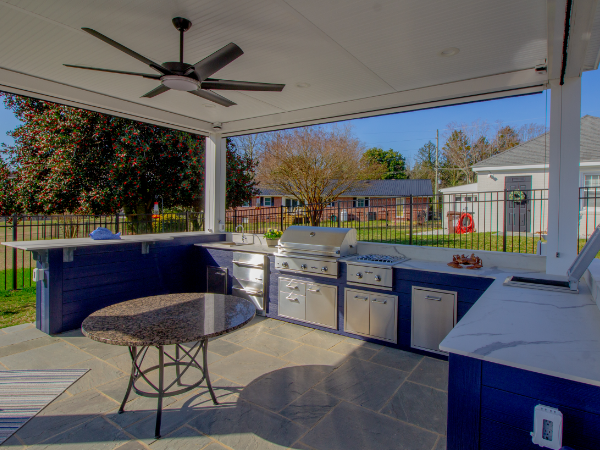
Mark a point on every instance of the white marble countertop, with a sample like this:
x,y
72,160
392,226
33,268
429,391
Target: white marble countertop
x,y
248,248
553,333
89,242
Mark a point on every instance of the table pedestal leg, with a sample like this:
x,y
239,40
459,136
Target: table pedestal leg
x,y
161,374
205,364
133,353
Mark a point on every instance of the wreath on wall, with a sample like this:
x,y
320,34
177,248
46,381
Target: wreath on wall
x,y
517,196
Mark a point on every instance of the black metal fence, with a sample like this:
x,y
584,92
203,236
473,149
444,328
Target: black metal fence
x,y
16,265
505,221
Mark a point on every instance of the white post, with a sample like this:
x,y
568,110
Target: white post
x,y
563,192
215,188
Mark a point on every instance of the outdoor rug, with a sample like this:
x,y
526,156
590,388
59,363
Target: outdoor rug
x,y
24,393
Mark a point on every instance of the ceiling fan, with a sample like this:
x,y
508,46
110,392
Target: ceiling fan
x,y
193,78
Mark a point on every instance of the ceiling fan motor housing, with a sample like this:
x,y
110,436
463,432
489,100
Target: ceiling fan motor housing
x,y
180,83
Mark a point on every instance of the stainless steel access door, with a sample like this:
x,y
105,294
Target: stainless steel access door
x,y
433,317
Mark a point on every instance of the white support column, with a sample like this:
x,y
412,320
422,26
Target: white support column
x,y
563,192
215,187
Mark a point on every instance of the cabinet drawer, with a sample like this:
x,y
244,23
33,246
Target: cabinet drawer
x,y
433,314
321,304
356,312
383,317
292,286
292,305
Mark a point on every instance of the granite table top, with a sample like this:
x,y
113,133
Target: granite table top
x,y
168,319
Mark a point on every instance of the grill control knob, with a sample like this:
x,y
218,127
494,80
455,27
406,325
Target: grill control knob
x,y
358,275
323,269
285,265
303,266
377,278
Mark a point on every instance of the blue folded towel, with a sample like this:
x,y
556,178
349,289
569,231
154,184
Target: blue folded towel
x,y
103,234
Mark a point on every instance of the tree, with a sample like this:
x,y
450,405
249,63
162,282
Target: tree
x,y
249,145
394,162
71,160
424,165
315,165
241,185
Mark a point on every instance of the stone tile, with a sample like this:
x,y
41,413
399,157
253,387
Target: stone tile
x,y
271,345
290,331
300,446
314,356
214,446
133,445
245,426
96,434
321,339
223,347
356,351
13,443
271,323
397,359
277,389
420,405
242,335
115,389
310,408
135,410
98,349
185,438
27,345
350,427
21,335
363,383
122,362
55,356
431,372
245,366
364,344
441,443
14,328
99,373
59,417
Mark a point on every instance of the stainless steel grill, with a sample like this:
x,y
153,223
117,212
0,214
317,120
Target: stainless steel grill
x,y
314,250
372,270
380,259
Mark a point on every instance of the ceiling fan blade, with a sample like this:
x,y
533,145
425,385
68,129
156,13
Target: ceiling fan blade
x,y
232,85
156,91
216,61
130,52
208,95
145,75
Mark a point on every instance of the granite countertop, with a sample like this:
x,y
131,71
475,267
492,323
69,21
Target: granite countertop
x,y
553,333
168,319
249,248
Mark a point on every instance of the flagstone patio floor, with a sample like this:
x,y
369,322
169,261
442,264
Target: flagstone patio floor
x,y
279,386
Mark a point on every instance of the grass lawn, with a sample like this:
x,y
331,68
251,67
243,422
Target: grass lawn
x,y
17,307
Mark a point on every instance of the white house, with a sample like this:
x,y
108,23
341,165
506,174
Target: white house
x,y
523,170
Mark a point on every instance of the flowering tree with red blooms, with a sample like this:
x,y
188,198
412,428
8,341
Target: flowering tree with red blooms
x,y
71,160
241,186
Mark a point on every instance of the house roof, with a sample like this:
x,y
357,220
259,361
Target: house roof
x,y
380,188
536,150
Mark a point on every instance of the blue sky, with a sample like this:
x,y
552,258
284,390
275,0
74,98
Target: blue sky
x,y
406,132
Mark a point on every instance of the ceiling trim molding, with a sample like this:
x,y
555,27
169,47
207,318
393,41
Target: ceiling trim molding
x,y
486,88
30,86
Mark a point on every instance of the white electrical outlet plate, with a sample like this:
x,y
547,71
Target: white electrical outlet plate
x,y
547,427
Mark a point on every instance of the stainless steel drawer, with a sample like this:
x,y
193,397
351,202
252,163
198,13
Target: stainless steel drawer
x,y
356,312
292,305
256,275
433,317
258,300
321,304
292,286
383,317
249,259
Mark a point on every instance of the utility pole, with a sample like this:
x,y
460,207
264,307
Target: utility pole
x,y
437,151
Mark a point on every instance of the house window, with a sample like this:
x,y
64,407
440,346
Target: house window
x,y
267,201
591,190
246,204
360,202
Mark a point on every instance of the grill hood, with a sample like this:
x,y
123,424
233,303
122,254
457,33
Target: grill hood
x,y
318,241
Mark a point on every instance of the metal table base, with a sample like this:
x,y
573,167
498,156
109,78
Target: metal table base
x,y
181,364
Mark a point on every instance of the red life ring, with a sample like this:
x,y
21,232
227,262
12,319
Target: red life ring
x,y
463,229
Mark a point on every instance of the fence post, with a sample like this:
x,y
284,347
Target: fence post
x,y
504,221
410,228
281,216
117,223
339,220
235,224
187,221
14,252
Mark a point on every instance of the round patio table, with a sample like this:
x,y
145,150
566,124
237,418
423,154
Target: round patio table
x,y
161,320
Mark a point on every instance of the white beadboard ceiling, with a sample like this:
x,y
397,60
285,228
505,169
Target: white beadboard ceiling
x,y
360,57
